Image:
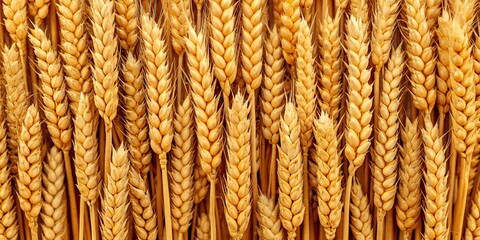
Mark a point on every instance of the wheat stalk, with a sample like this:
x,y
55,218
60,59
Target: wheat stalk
x,y
30,168
203,228
179,13
143,214
435,177
238,194
38,9
329,175
8,215
330,65
421,59
290,172
127,12
223,46
135,114
181,175
360,218
359,110
270,226
16,100
115,201
290,20
74,50
54,205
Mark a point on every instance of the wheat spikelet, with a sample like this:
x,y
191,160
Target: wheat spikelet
x,y
29,180
86,151
223,46
384,167
105,59
183,155
329,175
74,50
270,227
421,58
203,228
383,27
408,204
252,43
360,218
361,10
290,20
143,215
238,193
8,216
16,100
38,9
200,182
55,104
179,12
158,85
277,11
54,205
15,19
127,23
443,61
114,215
472,226
290,172
272,94
330,65
433,12
435,177
135,114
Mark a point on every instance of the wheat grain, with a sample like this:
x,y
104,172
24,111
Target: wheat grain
x,y
361,10
38,9
223,46
270,227
330,65
29,180
435,177
54,205
290,20
183,157
238,193
16,100
421,59
127,23
15,19
443,61
179,13
105,59
74,50
143,215
383,27
200,182
360,219
135,114
290,172
8,216
115,201
203,227
307,10
472,226
329,175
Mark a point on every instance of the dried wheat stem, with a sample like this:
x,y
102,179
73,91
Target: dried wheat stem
x,y
360,218
127,12
143,214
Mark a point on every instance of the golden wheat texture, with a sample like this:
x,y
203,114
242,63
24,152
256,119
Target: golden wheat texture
x,y
135,114
252,43
329,174
360,218
290,23
38,9
54,205
290,172
383,27
270,226
472,226
114,218
15,20
127,12
443,61
202,230
179,12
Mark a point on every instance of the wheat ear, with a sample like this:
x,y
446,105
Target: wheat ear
x,y
15,19
270,226
135,114
29,180
8,215
463,113
421,59
200,182
359,110
472,226
207,113
383,26
290,20
330,65
384,167
202,230
360,218
115,200
74,50
159,102
54,205
127,12
179,13
435,177
443,61
408,205
290,172
183,157
143,214
329,175
223,46
38,9
16,100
